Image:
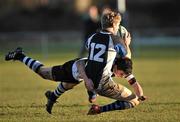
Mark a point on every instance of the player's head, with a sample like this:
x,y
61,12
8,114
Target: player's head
x,y
106,9
111,19
122,67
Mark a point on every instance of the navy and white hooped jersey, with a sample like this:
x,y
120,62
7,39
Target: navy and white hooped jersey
x,y
103,48
75,71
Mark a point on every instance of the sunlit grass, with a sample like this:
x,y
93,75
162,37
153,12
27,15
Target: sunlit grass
x,y
22,92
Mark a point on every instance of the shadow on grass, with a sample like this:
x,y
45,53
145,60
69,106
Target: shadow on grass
x,y
9,110
33,105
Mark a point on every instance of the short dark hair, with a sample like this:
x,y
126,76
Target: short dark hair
x,y
124,64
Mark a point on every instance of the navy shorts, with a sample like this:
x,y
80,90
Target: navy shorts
x,y
63,72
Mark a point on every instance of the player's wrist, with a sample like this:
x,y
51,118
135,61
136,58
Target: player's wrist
x,y
141,98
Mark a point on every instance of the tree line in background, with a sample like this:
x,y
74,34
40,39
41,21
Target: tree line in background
x,y
47,15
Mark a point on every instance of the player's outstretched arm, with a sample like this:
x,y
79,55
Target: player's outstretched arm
x,y
88,82
137,87
139,91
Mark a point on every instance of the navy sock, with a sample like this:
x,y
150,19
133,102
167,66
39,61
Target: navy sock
x,y
117,105
31,63
59,90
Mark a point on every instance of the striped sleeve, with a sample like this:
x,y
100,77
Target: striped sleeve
x,y
120,50
119,46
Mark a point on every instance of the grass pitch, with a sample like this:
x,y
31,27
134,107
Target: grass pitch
x,y
22,91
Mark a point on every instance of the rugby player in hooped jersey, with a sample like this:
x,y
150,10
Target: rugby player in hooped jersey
x,y
68,74
103,48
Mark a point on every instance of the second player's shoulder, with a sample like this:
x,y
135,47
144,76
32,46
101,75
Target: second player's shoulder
x,y
116,39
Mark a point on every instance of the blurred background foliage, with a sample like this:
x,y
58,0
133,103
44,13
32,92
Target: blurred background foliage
x,y
155,17
42,23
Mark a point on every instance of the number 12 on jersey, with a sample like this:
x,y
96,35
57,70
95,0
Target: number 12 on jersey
x,y
101,50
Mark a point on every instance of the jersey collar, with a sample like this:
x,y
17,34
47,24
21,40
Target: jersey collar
x,y
105,32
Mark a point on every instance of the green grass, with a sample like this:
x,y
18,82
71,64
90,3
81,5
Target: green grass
x,y
22,91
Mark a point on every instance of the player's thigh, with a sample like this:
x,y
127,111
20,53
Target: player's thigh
x,y
118,92
68,85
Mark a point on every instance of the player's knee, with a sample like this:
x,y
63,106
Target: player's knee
x,y
41,72
42,75
45,73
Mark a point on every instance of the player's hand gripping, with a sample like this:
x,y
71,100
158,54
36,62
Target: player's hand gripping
x,y
142,98
127,39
